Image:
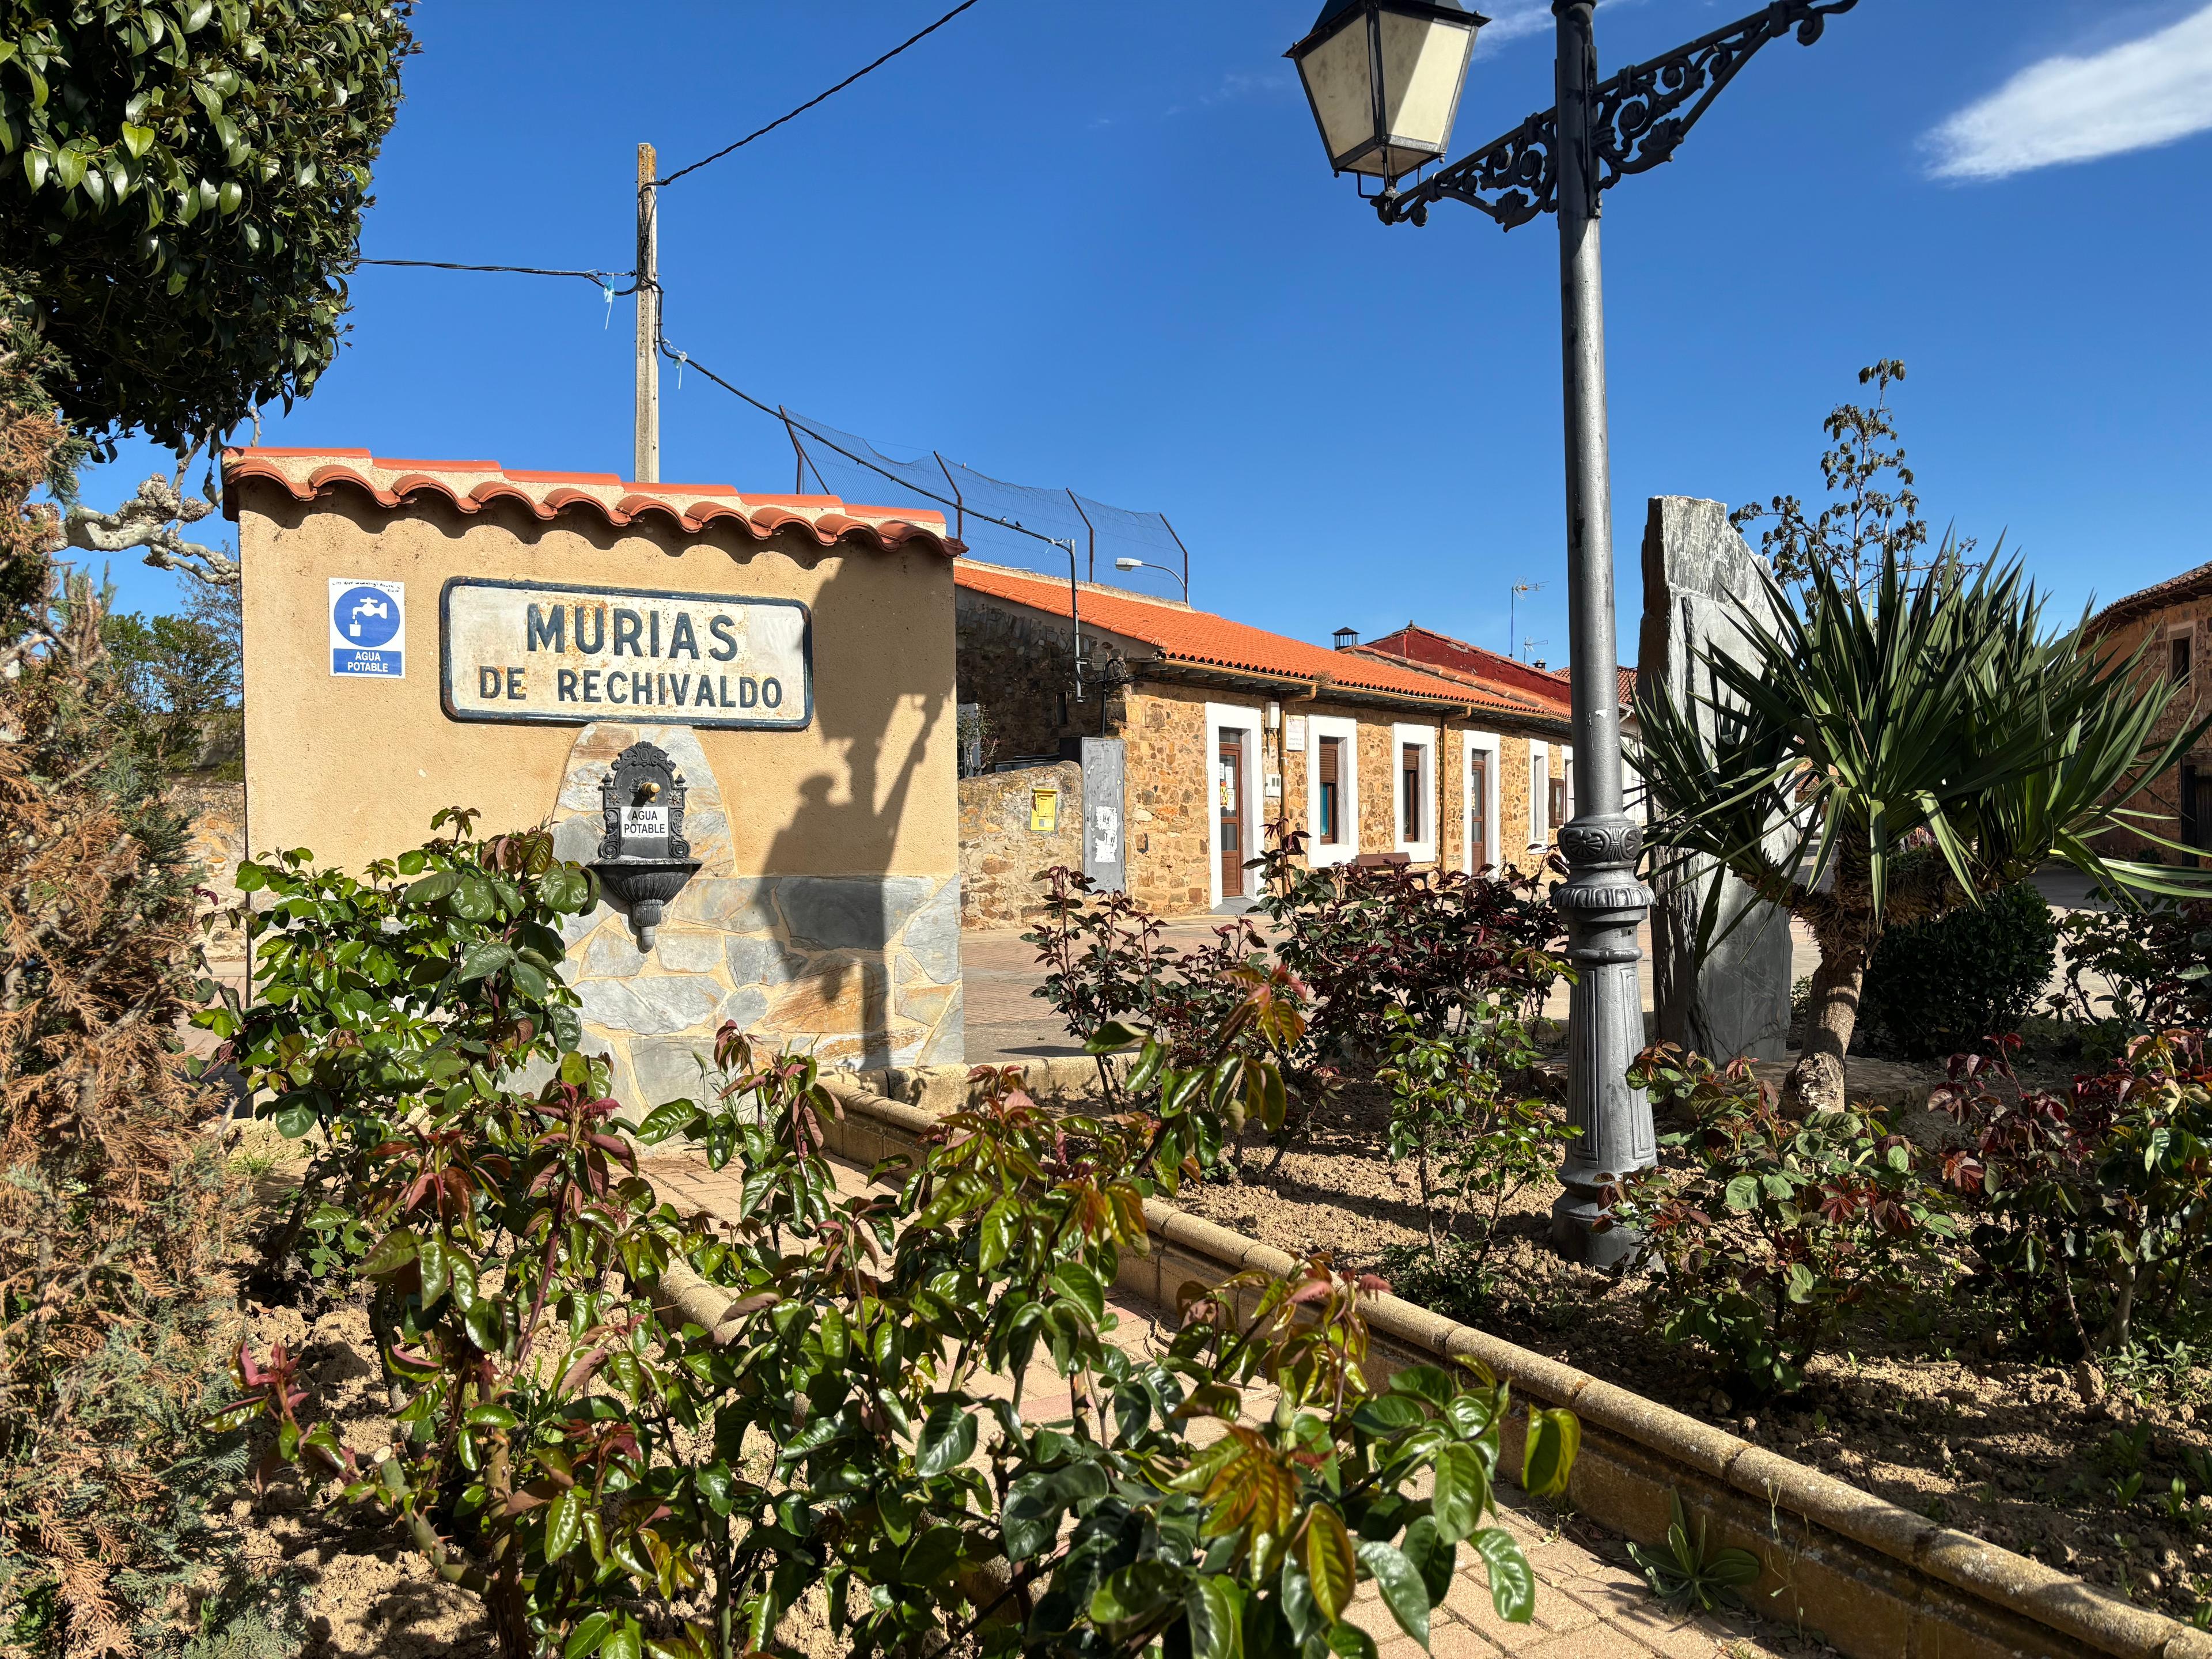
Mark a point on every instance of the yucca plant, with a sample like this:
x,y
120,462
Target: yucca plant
x,y
1885,755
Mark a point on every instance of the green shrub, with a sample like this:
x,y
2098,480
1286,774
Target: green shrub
x,y
1768,1228
630,1433
1940,986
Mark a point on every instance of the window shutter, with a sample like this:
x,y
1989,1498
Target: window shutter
x,y
1330,749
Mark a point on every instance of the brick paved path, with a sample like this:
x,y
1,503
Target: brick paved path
x,y
1593,1604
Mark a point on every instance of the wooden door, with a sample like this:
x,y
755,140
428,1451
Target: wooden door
x,y
1477,808
1228,794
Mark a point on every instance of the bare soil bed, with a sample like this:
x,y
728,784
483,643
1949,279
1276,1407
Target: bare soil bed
x,y
2011,1447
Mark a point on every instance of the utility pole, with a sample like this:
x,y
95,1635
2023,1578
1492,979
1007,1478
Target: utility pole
x,y
648,458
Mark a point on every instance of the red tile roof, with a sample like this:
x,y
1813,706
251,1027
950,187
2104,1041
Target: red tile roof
x,y
1627,688
2188,584
471,486
1202,638
1437,651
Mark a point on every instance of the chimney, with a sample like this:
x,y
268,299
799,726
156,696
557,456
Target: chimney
x,y
1347,638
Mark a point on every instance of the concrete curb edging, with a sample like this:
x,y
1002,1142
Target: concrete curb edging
x,y
1877,1581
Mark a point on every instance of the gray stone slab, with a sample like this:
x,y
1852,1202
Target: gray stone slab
x,y
611,953
743,1006
757,961
650,1005
932,933
947,1045
737,904
1734,997
850,913
667,1068
688,950
577,839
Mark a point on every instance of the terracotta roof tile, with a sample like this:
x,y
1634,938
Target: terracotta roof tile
x,y
471,486
1442,654
1204,640
1628,688
2188,584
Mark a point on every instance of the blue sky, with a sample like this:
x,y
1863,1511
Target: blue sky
x,y
1099,246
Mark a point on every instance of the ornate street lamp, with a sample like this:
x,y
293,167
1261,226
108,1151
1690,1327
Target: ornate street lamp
x,y
1383,77
1557,161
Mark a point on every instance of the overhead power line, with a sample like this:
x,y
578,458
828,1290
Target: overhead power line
x,y
606,279
763,132
686,360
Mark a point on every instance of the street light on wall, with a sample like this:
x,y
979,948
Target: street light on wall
x,y
1385,78
1146,564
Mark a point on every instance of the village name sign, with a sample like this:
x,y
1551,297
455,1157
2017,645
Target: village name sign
x,y
540,651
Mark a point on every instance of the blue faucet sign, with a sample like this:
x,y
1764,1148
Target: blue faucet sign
x,y
368,627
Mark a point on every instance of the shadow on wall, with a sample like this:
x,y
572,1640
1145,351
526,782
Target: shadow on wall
x,y
883,949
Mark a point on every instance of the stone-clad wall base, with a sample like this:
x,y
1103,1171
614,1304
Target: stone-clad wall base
x,y
863,971
1877,1581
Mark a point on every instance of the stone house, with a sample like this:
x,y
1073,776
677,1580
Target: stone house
x,y
1228,729
2171,622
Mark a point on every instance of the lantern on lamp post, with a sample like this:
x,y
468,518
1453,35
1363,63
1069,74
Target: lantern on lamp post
x,y
1385,78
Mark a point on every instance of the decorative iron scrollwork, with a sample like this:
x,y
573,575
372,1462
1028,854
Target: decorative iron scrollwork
x,y
1513,178
1635,121
1637,125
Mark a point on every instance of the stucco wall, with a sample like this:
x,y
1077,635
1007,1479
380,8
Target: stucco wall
x,y
1000,855
827,913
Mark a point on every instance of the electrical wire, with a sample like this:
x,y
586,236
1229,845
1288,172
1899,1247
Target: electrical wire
x,y
605,279
686,360
763,132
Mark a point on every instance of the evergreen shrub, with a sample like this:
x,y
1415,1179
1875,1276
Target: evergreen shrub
x,y
1940,986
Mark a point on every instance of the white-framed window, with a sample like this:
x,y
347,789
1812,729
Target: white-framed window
x,y
1479,768
1540,796
1560,807
1332,790
1235,809
1413,790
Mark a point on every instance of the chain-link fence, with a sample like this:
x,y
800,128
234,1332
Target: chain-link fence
x,y
1003,523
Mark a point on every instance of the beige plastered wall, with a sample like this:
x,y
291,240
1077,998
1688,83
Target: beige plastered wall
x,y
354,769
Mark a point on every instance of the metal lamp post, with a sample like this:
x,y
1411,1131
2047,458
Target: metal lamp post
x,y
1383,77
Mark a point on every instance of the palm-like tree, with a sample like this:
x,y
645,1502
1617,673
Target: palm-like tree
x,y
1880,757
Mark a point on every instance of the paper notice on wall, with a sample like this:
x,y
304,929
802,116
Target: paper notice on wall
x,y
1106,836
1228,776
1294,734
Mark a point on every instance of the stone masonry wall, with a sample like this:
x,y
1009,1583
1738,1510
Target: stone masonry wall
x,y
1000,856
1166,769
1018,668
2162,799
862,971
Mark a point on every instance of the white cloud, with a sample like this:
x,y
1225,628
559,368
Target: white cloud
x,y
2130,96
1510,19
